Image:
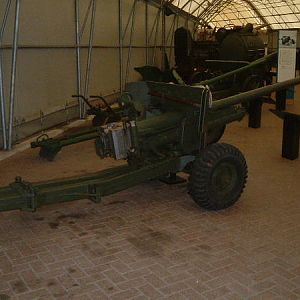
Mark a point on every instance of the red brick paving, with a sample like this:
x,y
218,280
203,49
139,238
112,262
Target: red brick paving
x,y
153,242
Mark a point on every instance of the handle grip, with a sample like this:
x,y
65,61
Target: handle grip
x,y
105,103
84,99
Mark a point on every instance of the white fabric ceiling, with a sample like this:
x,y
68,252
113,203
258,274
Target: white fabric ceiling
x,y
275,14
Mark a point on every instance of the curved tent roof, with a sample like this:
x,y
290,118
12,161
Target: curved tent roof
x,y
274,14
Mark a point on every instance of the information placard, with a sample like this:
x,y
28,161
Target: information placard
x,y
287,46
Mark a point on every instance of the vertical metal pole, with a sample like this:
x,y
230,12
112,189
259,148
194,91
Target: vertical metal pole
x,y
128,21
147,31
121,44
13,75
154,24
89,59
131,40
2,108
172,32
2,101
85,19
163,42
155,38
78,62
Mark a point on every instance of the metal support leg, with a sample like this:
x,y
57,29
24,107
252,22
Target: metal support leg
x,y
291,136
2,108
2,100
86,19
155,38
78,62
132,12
131,41
153,30
255,109
291,133
147,32
121,45
89,59
163,36
172,179
171,35
13,75
281,100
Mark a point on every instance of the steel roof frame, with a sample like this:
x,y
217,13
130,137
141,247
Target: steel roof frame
x,y
207,13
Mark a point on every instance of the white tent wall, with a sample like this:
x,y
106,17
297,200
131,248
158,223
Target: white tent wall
x,y
46,65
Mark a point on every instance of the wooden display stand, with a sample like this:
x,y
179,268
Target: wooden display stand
x,y
254,112
291,134
281,100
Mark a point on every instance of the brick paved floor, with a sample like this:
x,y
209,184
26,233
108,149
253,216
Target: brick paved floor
x,y
152,241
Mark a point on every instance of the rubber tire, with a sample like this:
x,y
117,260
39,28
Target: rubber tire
x,y
201,187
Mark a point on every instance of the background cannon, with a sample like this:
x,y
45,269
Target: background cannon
x,y
221,51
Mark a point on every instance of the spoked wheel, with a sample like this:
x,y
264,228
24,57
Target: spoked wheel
x,y
218,177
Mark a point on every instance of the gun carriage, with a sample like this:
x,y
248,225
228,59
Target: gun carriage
x,y
170,137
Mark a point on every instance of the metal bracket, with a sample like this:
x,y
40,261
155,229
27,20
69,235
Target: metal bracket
x,y
94,193
26,190
172,179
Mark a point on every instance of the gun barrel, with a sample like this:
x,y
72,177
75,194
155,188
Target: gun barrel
x,y
254,94
251,65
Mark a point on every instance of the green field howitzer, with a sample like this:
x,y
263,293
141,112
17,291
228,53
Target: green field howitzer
x,y
169,136
128,107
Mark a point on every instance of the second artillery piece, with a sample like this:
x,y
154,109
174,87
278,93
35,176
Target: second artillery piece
x,y
216,51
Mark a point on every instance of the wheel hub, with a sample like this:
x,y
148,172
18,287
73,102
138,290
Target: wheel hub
x,y
224,178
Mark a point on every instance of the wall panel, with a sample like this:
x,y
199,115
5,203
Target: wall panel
x,y
46,76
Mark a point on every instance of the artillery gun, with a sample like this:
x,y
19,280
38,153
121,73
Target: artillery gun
x,y
216,52
170,140
132,104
